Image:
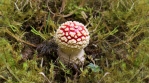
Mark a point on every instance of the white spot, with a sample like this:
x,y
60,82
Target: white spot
x,y
66,33
74,46
69,37
84,32
84,42
65,44
73,41
72,29
71,24
80,28
62,24
59,31
76,27
67,23
87,38
70,21
72,34
78,33
67,29
64,38
80,42
75,36
77,23
63,27
59,35
83,38
79,39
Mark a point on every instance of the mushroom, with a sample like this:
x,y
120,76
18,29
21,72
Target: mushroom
x,y
72,37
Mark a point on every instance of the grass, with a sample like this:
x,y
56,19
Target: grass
x,y
118,51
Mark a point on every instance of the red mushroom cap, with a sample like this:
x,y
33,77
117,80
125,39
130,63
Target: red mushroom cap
x,y
72,34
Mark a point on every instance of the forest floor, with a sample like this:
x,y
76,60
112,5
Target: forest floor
x,y
118,51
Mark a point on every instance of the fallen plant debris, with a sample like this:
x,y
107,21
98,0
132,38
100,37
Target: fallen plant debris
x,y
117,52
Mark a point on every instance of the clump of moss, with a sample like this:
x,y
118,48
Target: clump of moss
x,y
118,49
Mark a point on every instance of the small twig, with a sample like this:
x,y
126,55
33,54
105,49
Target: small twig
x,y
63,5
30,4
11,72
26,2
67,15
18,39
41,63
107,73
45,77
16,5
107,63
3,77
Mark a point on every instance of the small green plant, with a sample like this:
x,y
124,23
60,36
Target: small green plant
x,y
94,67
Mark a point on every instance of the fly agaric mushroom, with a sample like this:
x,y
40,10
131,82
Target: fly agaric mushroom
x,y
72,37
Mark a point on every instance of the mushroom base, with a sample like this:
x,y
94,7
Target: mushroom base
x,y
70,55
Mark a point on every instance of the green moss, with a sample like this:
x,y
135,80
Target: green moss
x,y
119,40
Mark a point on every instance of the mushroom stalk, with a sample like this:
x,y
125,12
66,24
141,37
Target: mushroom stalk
x,y
71,55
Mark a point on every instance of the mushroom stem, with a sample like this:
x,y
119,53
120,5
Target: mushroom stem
x,y
71,55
